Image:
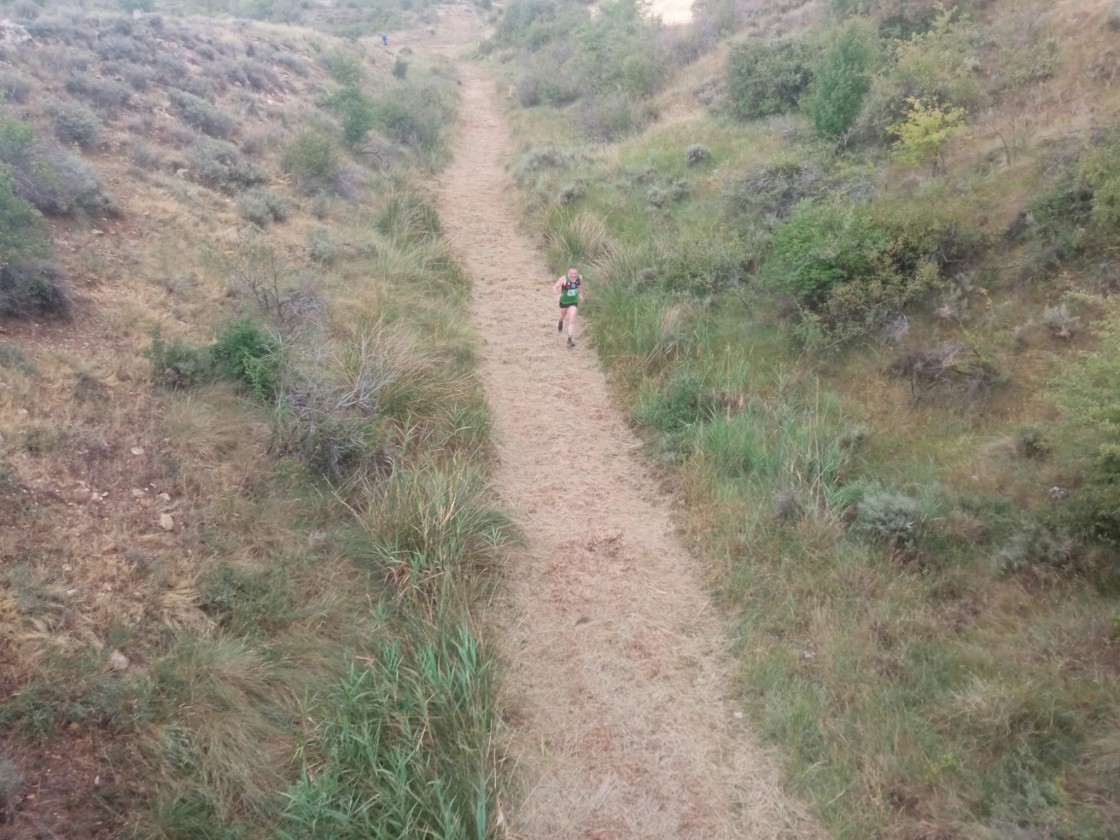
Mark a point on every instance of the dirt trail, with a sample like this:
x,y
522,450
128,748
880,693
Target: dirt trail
x,y
618,696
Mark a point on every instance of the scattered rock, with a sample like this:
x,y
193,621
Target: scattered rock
x,y
166,521
137,450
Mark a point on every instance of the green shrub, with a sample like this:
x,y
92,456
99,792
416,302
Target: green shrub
x,y
322,249
1037,551
76,124
200,114
20,232
177,365
1101,170
841,79
248,354
821,247
34,288
1090,440
889,517
218,164
768,195
14,88
934,65
346,70
246,602
850,268
765,79
702,266
313,160
262,207
685,400
59,183
412,116
106,94
357,113
610,116
400,68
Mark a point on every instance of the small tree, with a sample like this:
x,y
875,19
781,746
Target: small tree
x,y
842,78
19,232
925,131
765,79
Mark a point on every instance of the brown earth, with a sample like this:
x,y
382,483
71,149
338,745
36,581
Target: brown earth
x,y
616,685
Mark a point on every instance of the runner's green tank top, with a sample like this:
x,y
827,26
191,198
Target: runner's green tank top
x,y
569,292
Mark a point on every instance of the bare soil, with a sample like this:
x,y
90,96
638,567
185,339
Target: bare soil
x,y
616,683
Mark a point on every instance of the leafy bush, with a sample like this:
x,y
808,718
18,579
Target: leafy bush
x,y
200,114
924,132
246,353
20,233
821,247
889,517
841,79
346,70
934,65
59,183
769,195
684,400
74,123
14,88
106,94
765,79
312,159
177,365
611,116
219,164
849,268
702,267
322,249
262,206
34,288
413,116
1090,440
357,113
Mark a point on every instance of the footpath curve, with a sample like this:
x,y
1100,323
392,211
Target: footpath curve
x,y
615,686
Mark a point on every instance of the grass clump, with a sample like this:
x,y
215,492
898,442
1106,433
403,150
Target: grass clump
x,y
404,750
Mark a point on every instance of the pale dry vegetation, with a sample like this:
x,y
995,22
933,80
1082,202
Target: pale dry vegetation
x,y
222,364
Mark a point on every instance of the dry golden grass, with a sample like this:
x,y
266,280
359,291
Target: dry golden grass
x,y
119,502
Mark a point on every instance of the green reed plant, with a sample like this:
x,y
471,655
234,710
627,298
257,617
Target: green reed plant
x,y
405,749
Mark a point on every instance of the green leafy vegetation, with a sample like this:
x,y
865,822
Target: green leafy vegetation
x,y
884,408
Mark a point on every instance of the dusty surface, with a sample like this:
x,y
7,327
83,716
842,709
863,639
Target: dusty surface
x,y
621,722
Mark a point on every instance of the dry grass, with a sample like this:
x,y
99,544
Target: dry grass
x,y
122,507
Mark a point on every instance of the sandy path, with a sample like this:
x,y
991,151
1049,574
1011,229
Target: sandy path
x,y
620,722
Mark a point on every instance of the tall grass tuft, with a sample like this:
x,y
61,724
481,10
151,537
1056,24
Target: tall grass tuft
x,y
432,526
581,240
405,749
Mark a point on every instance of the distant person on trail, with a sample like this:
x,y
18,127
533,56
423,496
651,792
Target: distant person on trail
x,y
384,40
569,288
